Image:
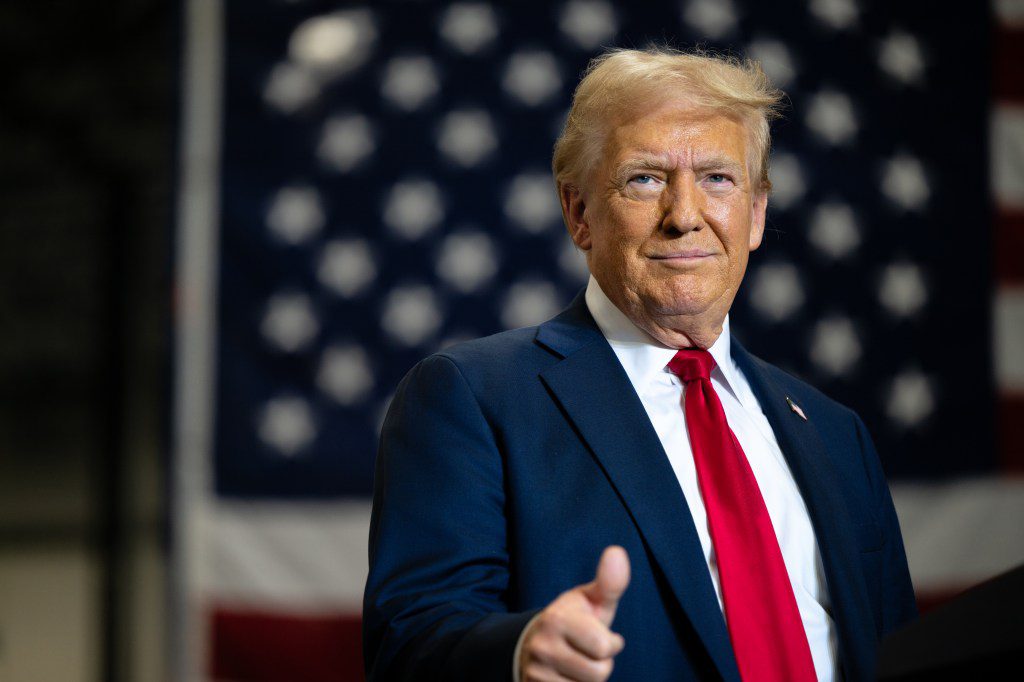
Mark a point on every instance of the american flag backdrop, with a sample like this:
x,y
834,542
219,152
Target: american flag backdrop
x,y
365,183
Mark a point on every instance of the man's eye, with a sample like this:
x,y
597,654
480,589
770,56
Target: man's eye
x,y
643,179
717,178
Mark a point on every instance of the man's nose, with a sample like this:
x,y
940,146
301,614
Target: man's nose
x,y
683,205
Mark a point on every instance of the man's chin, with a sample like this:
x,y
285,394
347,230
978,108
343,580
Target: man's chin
x,y
681,296
680,306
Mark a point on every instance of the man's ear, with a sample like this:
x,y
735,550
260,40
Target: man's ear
x,y
757,220
573,211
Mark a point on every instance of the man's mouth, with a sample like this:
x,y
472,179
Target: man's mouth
x,y
683,255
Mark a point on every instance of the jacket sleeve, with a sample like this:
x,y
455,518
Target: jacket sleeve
x,y
899,605
435,601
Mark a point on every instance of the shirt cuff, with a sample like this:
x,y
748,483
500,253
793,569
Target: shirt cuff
x,y
519,647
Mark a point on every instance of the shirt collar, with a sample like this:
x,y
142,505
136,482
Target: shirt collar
x,y
642,356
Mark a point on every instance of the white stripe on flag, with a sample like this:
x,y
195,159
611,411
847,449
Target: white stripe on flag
x,y
1008,339
1007,155
311,558
1009,12
287,556
960,533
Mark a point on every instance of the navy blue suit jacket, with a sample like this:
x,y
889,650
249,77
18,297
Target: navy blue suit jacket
x,y
507,464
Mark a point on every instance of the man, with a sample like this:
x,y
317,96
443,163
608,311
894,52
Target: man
x,y
739,519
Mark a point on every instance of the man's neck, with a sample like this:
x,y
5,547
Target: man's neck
x,y
679,332
668,333
672,331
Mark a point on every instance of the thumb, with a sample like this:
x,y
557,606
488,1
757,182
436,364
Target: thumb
x,y
610,583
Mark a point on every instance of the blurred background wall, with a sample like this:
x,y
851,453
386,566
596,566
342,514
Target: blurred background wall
x,y
228,228
86,160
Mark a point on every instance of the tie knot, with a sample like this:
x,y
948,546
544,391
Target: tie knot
x,y
690,364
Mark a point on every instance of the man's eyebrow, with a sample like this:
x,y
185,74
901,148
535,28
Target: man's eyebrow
x,y
719,163
642,160
659,162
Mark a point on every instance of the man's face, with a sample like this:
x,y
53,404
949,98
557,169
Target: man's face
x,y
671,212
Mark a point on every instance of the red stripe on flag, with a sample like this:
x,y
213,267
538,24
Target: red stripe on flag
x,y
255,646
1007,56
928,600
1009,245
1011,432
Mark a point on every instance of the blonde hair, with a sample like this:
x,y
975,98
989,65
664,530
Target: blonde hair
x,y
622,78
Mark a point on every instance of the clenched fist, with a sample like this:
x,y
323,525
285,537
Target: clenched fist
x,y
570,639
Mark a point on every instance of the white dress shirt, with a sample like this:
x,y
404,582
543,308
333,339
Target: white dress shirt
x,y
662,393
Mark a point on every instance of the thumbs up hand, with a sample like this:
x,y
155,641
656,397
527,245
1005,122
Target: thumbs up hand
x,y
570,639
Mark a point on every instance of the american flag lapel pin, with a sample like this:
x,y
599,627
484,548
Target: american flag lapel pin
x,y
796,408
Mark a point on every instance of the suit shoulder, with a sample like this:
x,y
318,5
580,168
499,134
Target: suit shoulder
x,y
498,369
504,351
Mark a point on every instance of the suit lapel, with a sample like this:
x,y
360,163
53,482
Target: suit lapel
x,y
804,452
596,395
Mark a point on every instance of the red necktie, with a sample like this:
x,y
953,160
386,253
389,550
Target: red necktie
x,y
767,634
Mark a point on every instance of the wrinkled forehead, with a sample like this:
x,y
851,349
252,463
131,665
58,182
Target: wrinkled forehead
x,y
672,125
